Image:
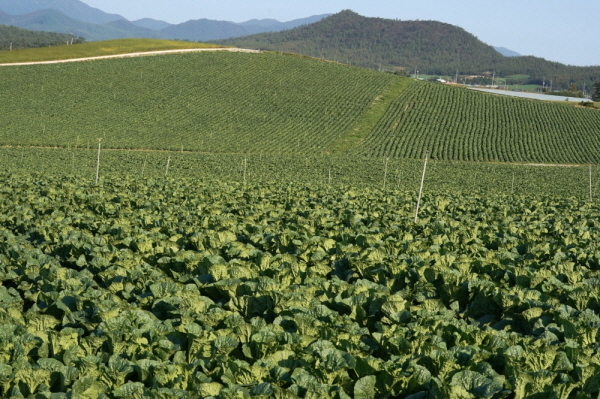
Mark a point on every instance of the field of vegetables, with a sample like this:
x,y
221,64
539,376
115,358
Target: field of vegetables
x,y
178,287
253,234
213,102
466,178
458,124
281,104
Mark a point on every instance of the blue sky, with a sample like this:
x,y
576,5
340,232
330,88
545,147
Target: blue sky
x,y
558,30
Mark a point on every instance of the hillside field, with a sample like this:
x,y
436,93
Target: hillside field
x,y
278,103
94,49
234,225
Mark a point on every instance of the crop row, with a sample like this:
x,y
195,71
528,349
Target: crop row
x,y
459,124
211,102
393,174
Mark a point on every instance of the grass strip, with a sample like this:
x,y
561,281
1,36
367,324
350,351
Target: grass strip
x,y
94,49
369,119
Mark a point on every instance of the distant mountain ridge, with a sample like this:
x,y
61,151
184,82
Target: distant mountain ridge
x,y
208,30
76,17
150,23
71,8
506,52
50,20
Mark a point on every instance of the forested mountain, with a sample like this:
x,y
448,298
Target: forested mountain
x,y
17,38
432,47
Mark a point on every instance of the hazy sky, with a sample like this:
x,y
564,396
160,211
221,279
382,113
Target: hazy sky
x,y
558,30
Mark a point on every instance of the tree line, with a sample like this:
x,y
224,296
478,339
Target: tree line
x,y
13,38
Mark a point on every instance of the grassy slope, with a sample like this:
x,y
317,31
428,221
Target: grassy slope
x,y
92,49
370,118
281,104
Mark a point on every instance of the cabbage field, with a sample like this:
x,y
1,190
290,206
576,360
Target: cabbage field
x,y
281,104
465,125
248,230
179,287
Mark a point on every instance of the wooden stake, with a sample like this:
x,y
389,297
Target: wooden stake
x,y
421,188
245,167
143,167
385,172
590,182
512,187
167,170
98,161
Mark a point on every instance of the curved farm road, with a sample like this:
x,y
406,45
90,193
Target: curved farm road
x,y
140,54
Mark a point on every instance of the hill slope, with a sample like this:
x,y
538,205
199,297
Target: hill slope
x,y
434,48
203,102
72,8
282,104
17,38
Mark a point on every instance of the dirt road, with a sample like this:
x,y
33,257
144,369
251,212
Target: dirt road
x,y
140,54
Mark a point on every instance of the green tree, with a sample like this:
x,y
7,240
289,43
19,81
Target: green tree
x,y
596,92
